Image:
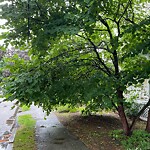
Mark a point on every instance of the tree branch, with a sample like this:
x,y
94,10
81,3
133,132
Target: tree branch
x,y
97,54
100,68
125,9
139,114
98,57
41,12
118,8
114,105
129,20
118,22
100,29
107,49
104,22
81,36
132,11
115,62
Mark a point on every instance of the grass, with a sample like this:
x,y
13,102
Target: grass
x,y
25,136
25,108
66,108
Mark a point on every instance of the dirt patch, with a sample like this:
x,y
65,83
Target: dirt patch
x,y
93,130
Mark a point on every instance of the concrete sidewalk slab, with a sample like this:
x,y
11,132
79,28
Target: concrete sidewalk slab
x,y
51,134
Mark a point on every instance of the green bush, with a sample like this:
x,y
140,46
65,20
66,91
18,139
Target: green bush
x,y
140,140
66,108
132,109
25,108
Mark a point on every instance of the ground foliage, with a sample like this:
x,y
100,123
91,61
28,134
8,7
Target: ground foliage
x,y
81,52
139,140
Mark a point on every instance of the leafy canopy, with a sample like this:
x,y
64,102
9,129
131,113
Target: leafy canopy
x,y
81,51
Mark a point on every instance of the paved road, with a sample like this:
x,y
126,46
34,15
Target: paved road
x,y
6,118
51,134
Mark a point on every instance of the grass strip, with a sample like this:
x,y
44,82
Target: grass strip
x,y
25,136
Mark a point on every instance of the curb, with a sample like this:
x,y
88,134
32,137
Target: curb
x,y
13,130
15,118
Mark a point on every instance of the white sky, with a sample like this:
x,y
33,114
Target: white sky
x,y
2,21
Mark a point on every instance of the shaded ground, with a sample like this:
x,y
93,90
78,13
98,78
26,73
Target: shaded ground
x,y
94,131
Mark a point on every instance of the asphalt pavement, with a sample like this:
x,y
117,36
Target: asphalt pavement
x,y
7,121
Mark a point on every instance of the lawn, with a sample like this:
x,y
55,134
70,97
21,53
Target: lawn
x,y
25,136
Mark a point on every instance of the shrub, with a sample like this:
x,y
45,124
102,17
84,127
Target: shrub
x,y
66,108
132,109
25,108
140,140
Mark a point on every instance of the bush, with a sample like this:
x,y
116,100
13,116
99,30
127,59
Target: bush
x,y
25,108
66,108
140,140
132,110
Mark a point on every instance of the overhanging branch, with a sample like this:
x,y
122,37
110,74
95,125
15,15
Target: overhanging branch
x,y
104,22
101,47
125,10
139,114
98,57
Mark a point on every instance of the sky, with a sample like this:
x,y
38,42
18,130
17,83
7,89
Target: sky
x,y
2,21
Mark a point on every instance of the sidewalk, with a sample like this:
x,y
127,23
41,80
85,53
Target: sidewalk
x,y
51,134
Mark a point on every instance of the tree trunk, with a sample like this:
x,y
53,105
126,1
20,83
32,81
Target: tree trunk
x,y
122,114
148,122
124,121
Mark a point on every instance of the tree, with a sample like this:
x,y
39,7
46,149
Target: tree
x,y
86,52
